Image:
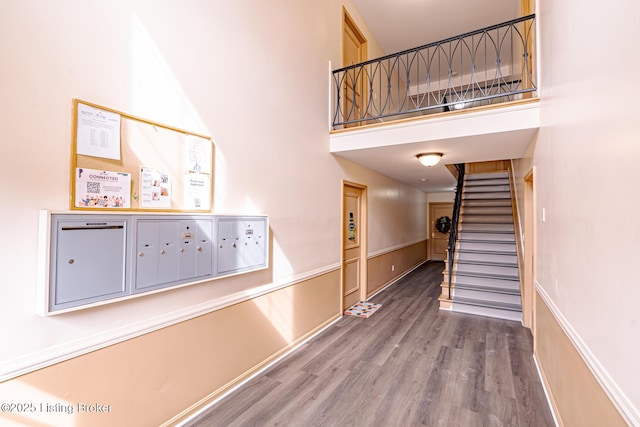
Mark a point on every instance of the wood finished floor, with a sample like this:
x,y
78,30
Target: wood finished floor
x,y
407,365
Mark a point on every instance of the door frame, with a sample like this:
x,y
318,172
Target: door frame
x,y
349,23
363,240
528,306
431,224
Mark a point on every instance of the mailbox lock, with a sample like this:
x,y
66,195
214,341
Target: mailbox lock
x,y
199,248
181,249
234,245
71,261
141,254
162,252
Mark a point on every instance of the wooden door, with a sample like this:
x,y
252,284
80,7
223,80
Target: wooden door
x,y
438,241
354,51
353,229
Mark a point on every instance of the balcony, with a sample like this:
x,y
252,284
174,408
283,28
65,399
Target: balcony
x,y
493,65
472,97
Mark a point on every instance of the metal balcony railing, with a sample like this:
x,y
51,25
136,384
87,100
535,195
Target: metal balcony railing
x,y
488,66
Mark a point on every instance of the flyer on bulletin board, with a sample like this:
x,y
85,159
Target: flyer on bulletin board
x,y
102,189
197,191
155,189
98,133
199,153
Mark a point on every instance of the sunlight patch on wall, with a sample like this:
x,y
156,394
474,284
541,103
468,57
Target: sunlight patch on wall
x,y
278,309
156,93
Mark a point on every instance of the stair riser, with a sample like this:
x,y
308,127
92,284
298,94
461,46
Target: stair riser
x,y
486,188
483,176
477,203
490,210
490,297
486,311
485,196
508,286
486,219
494,237
489,228
487,269
477,182
488,247
487,257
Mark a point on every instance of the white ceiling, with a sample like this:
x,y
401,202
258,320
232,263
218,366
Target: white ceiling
x,y
403,24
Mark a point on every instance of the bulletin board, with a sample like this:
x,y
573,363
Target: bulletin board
x,y
124,163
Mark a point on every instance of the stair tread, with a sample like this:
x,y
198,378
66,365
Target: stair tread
x,y
486,175
486,203
480,217
500,202
488,231
486,275
473,211
488,288
506,195
490,263
483,252
497,242
501,215
488,181
487,189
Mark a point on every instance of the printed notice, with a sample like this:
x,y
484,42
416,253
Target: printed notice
x,y
98,133
199,154
155,189
197,191
102,189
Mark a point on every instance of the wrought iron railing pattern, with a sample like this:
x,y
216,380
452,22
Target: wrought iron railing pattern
x,y
487,66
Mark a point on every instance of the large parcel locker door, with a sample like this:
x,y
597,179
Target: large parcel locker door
x,y
89,262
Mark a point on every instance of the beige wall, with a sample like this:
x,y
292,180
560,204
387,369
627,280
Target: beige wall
x,y
251,74
385,268
586,157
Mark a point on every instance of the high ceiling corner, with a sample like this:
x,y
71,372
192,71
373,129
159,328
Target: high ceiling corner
x,y
404,24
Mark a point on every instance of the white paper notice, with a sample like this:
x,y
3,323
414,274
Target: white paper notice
x,y
199,154
155,189
98,133
197,191
102,189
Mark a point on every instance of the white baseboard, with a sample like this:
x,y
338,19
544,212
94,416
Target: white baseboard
x,y
619,399
547,394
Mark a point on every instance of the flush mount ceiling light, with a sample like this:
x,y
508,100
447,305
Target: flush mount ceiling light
x,y
429,159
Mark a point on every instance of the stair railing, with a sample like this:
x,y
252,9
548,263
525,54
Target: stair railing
x,y
453,233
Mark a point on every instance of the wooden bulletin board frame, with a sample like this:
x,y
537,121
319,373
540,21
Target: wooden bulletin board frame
x,y
146,144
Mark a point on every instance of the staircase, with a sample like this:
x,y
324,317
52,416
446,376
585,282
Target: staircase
x,y
485,269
